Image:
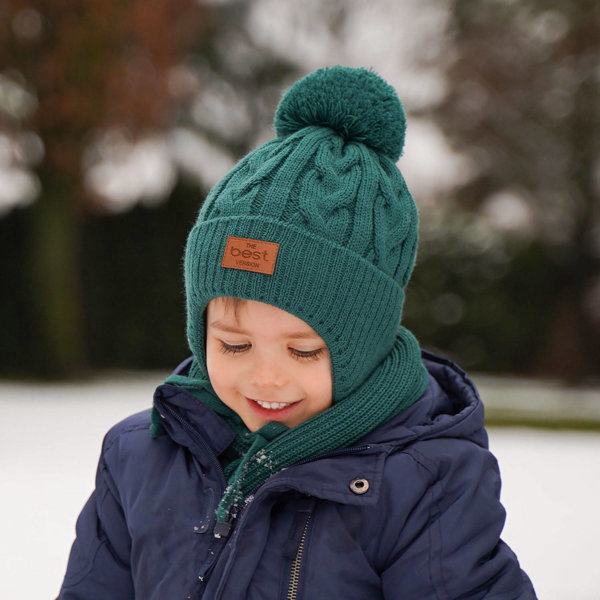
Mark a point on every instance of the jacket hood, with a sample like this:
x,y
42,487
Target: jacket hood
x,y
449,408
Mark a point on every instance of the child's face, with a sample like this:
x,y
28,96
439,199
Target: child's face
x,y
266,364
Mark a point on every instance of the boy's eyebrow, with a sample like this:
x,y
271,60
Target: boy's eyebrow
x,y
292,334
224,327
301,335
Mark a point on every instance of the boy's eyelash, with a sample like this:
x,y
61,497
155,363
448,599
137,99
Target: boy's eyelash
x,y
299,354
306,354
233,348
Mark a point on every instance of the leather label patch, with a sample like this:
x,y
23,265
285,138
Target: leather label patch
x,y
250,255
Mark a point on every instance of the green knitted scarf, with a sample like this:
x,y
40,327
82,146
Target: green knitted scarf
x,y
395,384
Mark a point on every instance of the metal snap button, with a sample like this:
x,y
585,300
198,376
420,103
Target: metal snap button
x,y
359,486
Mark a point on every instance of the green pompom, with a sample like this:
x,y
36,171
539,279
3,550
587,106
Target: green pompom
x,y
356,103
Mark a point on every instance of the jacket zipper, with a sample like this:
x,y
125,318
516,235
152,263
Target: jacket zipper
x,y
292,593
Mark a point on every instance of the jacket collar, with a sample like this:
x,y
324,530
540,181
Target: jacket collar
x,y
333,477
187,419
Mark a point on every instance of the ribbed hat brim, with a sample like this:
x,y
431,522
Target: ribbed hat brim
x,y
302,283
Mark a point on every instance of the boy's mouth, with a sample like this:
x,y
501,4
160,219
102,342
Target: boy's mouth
x,y
271,408
271,405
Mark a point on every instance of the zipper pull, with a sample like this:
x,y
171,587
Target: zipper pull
x,y
222,528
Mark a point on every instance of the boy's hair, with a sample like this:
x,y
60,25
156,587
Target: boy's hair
x,y
231,303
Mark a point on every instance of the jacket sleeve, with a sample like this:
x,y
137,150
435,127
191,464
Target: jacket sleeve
x,y
450,545
99,563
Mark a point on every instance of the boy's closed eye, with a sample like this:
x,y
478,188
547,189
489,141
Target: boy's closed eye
x,y
233,348
228,348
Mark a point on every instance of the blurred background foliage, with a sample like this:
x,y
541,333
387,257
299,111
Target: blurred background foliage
x,y
116,117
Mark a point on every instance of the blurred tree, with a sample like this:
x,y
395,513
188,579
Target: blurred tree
x,y
84,66
87,81
523,104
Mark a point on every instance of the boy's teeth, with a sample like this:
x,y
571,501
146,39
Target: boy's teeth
x,y
271,405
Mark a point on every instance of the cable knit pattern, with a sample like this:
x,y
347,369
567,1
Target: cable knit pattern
x,y
339,190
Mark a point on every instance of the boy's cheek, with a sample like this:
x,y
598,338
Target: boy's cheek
x,y
214,358
217,371
216,375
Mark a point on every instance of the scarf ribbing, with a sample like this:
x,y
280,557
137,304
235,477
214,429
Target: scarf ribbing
x,y
394,385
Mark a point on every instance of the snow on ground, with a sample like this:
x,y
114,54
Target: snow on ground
x,y
51,440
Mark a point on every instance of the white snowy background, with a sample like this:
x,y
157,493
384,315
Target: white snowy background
x,y
51,440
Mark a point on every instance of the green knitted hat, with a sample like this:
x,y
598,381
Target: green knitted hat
x,y
318,222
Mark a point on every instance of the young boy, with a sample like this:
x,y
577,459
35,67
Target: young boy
x,y
307,449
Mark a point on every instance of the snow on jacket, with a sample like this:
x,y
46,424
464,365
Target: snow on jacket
x,y
411,512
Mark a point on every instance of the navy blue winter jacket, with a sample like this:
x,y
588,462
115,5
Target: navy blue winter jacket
x,y
411,512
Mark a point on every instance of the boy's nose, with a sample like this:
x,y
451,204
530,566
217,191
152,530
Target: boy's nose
x,y
267,374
